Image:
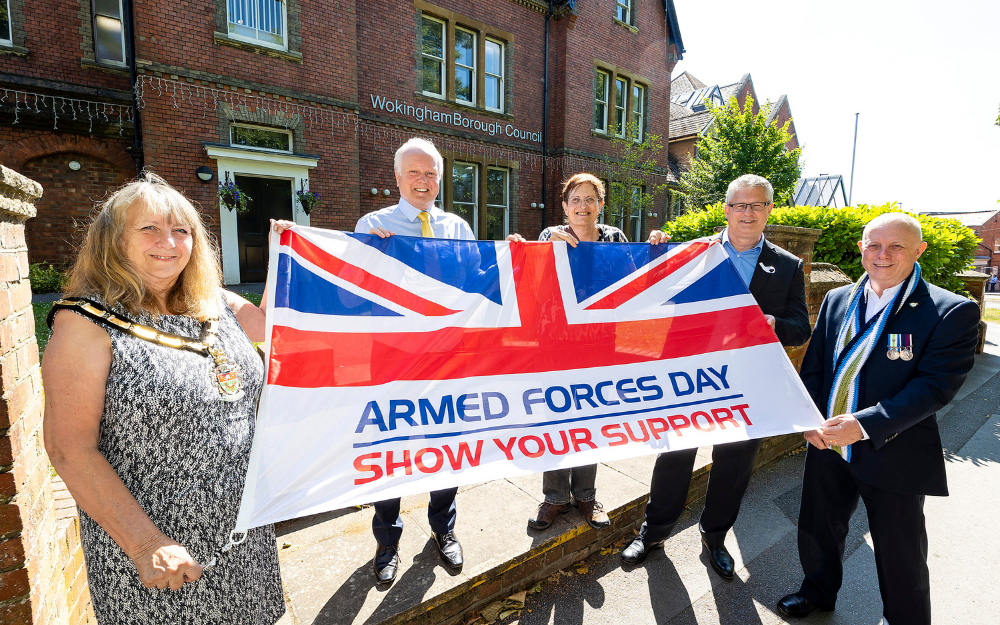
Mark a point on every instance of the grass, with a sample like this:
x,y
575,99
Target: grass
x,y
992,314
41,311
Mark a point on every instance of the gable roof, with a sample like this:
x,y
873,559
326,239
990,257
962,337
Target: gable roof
x,y
776,108
685,83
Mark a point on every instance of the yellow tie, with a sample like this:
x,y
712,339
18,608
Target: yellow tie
x,y
425,225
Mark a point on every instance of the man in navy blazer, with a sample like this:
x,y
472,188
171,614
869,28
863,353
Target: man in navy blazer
x,y
776,280
886,354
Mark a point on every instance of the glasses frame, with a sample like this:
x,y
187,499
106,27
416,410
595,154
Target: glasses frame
x,y
751,205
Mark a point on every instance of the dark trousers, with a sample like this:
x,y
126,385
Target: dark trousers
x,y
387,526
829,497
732,464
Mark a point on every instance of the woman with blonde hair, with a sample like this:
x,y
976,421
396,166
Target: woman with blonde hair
x,y
150,396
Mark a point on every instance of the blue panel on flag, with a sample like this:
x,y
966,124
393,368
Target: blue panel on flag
x,y
467,265
723,281
313,294
595,267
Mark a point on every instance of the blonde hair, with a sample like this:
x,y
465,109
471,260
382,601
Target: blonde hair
x,y
578,179
102,266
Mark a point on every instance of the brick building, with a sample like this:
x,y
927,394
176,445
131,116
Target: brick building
x,y
283,96
986,225
689,119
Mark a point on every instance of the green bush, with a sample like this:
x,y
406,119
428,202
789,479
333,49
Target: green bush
x,y
45,278
950,245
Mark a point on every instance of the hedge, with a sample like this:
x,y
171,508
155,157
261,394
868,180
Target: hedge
x,y
950,245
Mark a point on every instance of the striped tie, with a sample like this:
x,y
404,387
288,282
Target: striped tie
x,y
425,225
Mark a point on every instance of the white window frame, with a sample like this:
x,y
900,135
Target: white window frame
x,y
475,192
607,88
638,111
621,94
635,215
441,61
291,138
506,197
9,40
623,7
257,40
472,68
93,24
487,74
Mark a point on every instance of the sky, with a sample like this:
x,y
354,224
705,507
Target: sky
x,y
924,76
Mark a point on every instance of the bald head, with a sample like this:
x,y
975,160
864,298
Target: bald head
x,y
901,219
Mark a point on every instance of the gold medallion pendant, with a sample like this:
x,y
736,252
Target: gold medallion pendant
x,y
230,382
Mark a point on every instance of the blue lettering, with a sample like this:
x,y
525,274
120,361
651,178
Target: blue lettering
x,y
463,407
582,392
548,399
622,391
368,419
600,396
677,375
720,374
657,391
377,102
704,380
427,408
504,408
528,402
404,414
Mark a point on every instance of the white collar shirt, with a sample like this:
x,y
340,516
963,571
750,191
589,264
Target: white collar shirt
x,y
402,219
876,303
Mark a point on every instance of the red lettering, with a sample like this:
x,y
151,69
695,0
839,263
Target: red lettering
x,y
743,413
534,439
581,436
678,422
552,449
464,451
657,425
359,465
418,459
391,466
708,419
722,420
506,449
620,439
645,434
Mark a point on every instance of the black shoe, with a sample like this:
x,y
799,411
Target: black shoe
x,y
449,548
386,563
798,606
721,561
638,549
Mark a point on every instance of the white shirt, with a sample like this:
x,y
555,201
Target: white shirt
x,y
876,303
402,219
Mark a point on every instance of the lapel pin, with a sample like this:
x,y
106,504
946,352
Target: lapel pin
x,y
913,304
766,268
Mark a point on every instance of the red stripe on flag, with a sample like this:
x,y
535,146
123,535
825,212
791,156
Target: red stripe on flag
x,y
307,359
361,278
648,279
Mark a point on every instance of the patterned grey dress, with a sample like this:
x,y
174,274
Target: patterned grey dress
x,y
183,455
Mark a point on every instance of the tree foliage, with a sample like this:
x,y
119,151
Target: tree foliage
x,y
951,246
630,164
737,143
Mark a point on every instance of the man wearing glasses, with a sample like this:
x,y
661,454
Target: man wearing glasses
x,y
776,280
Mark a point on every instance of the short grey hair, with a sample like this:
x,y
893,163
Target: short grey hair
x,y
886,219
416,144
750,181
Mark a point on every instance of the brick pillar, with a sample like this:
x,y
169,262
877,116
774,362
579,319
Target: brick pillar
x,y
38,566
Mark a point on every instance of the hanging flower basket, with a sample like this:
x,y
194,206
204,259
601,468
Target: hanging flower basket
x,y
308,200
233,197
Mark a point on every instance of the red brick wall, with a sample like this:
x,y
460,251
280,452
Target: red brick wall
x,y
67,205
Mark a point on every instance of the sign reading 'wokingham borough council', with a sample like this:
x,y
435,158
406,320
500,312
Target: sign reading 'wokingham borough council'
x,y
404,365
422,113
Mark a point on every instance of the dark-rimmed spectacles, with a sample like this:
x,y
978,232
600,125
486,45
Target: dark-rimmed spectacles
x,y
755,207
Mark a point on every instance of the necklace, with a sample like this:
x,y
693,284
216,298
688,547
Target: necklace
x,y
226,373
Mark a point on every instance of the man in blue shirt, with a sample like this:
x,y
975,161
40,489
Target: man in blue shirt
x,y
775,279
419,167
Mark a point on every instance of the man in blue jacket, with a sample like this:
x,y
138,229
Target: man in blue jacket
x,y
887,353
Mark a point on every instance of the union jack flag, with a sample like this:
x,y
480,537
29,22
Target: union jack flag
x,y
429,309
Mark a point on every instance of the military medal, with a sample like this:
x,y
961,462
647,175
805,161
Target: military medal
x,y
906,353
893,347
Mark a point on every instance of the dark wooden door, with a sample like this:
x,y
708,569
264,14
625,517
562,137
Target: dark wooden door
x,y
270,198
